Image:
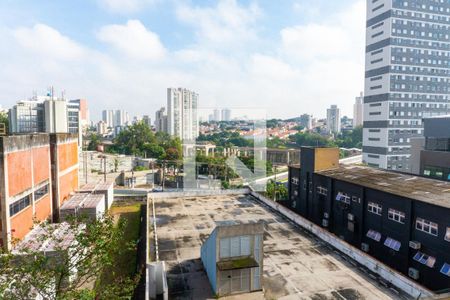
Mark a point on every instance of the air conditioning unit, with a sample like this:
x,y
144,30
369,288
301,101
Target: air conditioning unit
x,y
350,217
351,226
325,223
414,245
326,215
365,247
413,273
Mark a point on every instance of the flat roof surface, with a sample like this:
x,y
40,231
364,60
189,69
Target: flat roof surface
x,y
297,265
419,188
92,200
74,201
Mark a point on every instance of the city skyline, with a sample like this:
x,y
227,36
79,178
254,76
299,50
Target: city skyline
x,y
132,55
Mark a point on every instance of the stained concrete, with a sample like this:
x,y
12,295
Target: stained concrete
x,y
296,264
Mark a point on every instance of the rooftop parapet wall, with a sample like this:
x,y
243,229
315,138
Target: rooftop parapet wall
x,y
14,143
62,138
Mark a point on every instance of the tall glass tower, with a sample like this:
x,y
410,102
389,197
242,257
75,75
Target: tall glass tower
x,y
407,76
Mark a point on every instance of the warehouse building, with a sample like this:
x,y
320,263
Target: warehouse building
x,y
401,220
233,258
35,176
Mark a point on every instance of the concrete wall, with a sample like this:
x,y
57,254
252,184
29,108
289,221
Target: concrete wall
x,y
209,256
24,168
64,161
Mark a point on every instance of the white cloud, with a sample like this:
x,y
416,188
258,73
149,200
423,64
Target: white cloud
x,y
226,23
133,39
305,70
125,6
45,40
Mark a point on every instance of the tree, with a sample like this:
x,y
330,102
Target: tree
x,y
94,141
4,119
75,271
153,151
131,139
276,190
311,139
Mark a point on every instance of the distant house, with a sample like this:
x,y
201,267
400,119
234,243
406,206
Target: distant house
x,y
233,258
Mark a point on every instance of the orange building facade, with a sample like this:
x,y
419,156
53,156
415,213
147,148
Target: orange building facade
x,y
27,172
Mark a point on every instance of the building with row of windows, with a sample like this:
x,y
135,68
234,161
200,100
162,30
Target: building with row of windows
x,y
401,220
49,114
407,76
38,173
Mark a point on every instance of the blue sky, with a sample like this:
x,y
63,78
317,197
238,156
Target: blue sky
x,y
288,56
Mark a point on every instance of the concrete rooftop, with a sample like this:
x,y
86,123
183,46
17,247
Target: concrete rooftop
x,y
296,264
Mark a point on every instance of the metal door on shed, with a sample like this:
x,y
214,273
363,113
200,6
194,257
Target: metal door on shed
x,y
234,281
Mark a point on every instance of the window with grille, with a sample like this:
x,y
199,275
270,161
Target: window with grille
x,y
19,205
396,215
375,208
374,235
40,192
393,244
427,226
322,191
425,259
343,197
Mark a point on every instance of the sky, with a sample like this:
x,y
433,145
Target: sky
x,y
287,57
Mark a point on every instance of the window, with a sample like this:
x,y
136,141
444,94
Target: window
x,y
425,259
446,269
322,191
396,216
374,235
375,208
294,180
234,246
40,192
343,197
356,199
427,226
447,235
393,244
19,205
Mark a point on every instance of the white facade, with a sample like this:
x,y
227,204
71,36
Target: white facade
x,y
333,119
358,111
407,76
108,117
226,115
182,118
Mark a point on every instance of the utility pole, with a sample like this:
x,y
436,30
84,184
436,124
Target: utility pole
x,y
104,168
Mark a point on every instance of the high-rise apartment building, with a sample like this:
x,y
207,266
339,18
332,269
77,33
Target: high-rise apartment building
x,y
108,117
161,120
217,115
333,119
358,111
306,121
226,114
182,113
407,75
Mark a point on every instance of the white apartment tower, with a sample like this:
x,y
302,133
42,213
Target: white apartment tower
x,y
407,76
333,120
161,120
182,113
358,110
